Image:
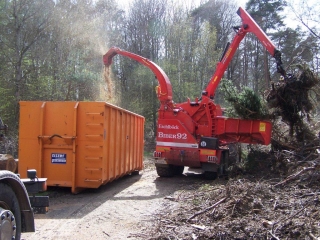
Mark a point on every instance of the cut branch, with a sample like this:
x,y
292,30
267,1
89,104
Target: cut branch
x,y
293,176
207,209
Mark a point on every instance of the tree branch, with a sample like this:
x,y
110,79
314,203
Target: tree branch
x,y
207,209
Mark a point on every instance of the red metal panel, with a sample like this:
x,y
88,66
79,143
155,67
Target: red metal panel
x,y
246,131
172,133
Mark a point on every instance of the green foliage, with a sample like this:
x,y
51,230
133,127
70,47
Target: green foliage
x,y
138,93
245,104
256,160
7,106
266,13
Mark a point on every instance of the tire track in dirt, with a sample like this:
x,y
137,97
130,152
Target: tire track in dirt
x,y
118,210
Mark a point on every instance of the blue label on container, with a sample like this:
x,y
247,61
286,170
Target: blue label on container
x,y
60,158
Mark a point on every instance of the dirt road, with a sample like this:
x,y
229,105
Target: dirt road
x,y
145,206
119,210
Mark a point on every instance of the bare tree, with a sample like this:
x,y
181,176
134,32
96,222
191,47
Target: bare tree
x,y
22,25
307,13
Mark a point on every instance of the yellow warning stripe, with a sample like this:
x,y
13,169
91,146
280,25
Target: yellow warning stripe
x,y
208,152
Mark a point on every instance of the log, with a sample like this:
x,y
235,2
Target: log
x,y
7,162
17,163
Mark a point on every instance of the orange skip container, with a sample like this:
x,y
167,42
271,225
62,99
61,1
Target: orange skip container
x,y
79,144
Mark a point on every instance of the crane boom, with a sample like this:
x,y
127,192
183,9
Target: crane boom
x,y
248,25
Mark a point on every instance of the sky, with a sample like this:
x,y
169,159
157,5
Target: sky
x,y
241,3
289,21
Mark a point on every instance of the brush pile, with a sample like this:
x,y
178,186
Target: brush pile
x,y
291,106
243,208
292,101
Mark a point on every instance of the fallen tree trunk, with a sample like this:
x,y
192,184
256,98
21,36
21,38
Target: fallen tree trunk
x,y
7,162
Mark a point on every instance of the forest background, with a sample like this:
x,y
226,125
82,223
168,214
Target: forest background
x,y
51,50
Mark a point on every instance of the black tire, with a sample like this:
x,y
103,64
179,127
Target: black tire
x,y
167,171
178,170
210,175
135,173
9,201
224,164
